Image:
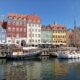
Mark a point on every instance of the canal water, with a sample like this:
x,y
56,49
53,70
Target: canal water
x,y
44,69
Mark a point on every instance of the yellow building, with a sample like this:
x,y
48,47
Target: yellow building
x,y
59,34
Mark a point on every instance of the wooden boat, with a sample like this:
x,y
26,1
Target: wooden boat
x,y
23,54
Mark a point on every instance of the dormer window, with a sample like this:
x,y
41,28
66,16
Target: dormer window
x,y
15,18
10,18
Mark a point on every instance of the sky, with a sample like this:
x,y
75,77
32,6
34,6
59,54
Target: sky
x,y
60,11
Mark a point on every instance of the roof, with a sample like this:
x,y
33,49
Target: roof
x,y
27,16
70,32
46,28
57,26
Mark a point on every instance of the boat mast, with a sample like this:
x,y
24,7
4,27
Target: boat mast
x,y
75,31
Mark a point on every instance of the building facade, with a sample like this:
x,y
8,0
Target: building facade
x,y
59,34
76,34
3,36
77,37
23,28
46,35
16,28
33,30
70,37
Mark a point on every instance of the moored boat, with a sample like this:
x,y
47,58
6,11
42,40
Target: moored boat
x,y
26,53
69,55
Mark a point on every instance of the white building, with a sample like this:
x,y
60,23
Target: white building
x,y
33,33
33,30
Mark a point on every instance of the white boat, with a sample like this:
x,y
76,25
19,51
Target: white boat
x,y
68,55
29,48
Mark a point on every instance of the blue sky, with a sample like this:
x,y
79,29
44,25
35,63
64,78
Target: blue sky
x,y
60,11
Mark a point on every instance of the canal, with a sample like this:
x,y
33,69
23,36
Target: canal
x,y
44,69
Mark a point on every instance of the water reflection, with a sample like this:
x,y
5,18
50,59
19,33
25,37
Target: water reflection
x,y
54,69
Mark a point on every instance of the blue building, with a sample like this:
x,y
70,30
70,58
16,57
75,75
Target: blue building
x,y
3,35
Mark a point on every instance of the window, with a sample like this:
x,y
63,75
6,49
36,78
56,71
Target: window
x,y
17,29
3,41
9,18
24,29
17,22
29,35
21,22
38,40
17,35
14,20
13,29
35,30
35,35
29,30
35,40
25,23
9,28
53,36
38,35
32,25
20,29
29,40
29,24
32,35
3,36
32,40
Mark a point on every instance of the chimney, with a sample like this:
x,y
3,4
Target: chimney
x,y
75,40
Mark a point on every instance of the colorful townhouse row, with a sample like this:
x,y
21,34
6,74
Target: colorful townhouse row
x,y
26,29
54,34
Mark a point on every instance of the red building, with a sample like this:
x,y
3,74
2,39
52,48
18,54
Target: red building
x,y
17,25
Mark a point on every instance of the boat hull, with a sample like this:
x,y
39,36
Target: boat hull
x,y
69,56
17,57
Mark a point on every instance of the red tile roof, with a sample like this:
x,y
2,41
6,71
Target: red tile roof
x,y
57,26
46,28
27,16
